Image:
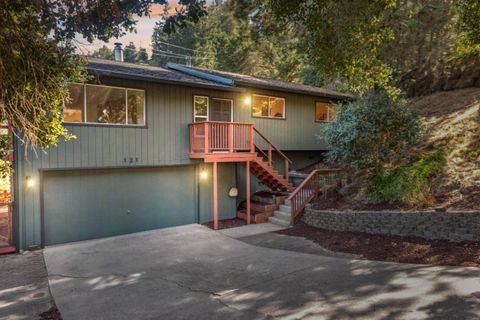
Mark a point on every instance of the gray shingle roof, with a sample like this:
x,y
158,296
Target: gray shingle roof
x,y
203,78
249,81
149,73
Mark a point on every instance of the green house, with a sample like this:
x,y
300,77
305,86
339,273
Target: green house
x,y
161,147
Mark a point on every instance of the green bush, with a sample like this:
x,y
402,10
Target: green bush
x,y
370,131
408,184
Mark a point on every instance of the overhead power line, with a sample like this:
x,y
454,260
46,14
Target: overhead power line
x,y
176,46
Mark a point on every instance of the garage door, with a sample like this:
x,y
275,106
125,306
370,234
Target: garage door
x,y
80,205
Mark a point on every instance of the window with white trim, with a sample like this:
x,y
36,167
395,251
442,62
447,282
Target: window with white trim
x,y
101,104
268,107
200,108
324,111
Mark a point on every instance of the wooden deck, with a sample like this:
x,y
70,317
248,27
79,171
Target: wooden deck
x,y
216,141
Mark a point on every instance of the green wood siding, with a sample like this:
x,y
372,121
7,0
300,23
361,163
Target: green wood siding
x,y
162,142
298,131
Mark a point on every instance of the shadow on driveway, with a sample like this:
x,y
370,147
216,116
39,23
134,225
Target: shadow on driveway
x,y
192,272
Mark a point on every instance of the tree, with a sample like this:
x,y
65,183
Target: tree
x,y
142,56
377,44
37,58
104,53
371,131
231,38
469,21
130,53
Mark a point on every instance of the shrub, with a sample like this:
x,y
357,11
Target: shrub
x,y
408,184
370,131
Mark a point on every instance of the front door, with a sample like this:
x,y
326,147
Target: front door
x,y
221,110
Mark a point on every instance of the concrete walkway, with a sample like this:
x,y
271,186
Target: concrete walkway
x,y
193,272
297,244
24,290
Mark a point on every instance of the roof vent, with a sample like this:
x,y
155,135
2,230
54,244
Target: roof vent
x,y
117,50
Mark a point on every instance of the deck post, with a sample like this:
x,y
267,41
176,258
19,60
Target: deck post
x,y
207,138
215,197
286,169
269,155
252,143
230,137
248,192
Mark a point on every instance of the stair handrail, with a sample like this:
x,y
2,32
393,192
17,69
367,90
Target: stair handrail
x,y
269,157
307,191
261,151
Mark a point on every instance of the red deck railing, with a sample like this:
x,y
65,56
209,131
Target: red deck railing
x,y
216,136
268,155
310,188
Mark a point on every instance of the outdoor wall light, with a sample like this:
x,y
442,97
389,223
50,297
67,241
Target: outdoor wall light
x,y
29,182
248,100
233,192
203,174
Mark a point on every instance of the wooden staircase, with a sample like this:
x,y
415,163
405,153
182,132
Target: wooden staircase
x,y
264,204
269,176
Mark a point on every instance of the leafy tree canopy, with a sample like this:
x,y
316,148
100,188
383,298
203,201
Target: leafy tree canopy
x,y
371,131
381,43
233,38
37,58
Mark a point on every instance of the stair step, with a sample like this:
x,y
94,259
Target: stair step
x,y
255,217
268,197
259,207
279,222
285,208
282,215
287,202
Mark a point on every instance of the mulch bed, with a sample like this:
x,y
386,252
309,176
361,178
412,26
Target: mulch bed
x,y
227,223
392,248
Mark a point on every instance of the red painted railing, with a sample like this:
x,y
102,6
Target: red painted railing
x,y
310,188
217,136
268,155
227,137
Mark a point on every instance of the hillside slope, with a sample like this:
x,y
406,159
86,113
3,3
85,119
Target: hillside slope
x,y
452,122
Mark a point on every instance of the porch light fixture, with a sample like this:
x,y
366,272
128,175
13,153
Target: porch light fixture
x,y
29,182
248,100
203,174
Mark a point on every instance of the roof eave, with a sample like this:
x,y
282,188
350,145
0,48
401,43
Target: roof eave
x,y
298,91
124,75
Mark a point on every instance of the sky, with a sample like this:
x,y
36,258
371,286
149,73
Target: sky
x,y
143,36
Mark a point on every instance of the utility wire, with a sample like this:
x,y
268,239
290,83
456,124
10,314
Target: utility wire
x,y
176,46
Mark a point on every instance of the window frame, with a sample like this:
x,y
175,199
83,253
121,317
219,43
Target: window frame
x,y
284,117
231,106
123,125
329,105
207,118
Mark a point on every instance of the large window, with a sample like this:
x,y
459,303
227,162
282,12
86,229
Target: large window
x,y
104,104
324,112
268,107
200,108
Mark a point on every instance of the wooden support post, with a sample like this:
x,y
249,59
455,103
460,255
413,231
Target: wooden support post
x,y
252,143
207,138
230,137
286,169
269,155
248,192
215,197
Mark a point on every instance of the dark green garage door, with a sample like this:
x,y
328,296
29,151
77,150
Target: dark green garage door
x,y
80,205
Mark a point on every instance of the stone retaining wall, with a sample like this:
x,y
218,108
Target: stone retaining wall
x,y
450,225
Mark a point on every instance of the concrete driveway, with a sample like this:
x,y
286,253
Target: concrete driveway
x,y
192,272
